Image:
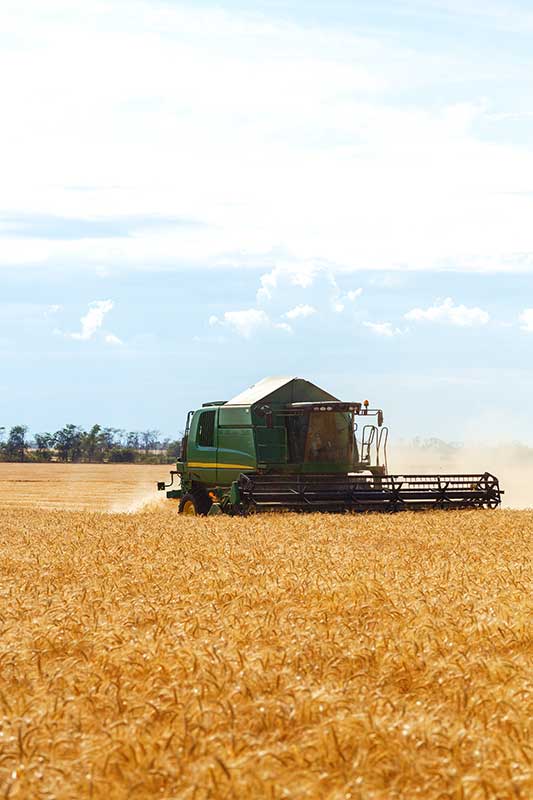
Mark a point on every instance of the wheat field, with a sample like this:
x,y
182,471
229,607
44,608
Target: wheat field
x,y
76,487
278,656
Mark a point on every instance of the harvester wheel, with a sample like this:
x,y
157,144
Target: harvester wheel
x,y
195,504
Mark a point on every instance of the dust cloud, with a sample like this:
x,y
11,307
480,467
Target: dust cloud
x,y
143,501
511,463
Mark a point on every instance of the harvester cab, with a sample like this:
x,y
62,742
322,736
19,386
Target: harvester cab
x,y
287,444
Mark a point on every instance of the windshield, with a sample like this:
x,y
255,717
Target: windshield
x,y
319,437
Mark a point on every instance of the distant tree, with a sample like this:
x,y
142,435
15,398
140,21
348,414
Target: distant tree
x,y
149,440
120,437
437,445
133,439
92,444
174,449
109,437
123,455
15,447
44,442
68,442
72,443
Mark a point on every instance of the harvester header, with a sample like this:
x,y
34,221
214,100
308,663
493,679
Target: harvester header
x,y
285,443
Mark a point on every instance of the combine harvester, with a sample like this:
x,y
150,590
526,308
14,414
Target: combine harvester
x,y
287,444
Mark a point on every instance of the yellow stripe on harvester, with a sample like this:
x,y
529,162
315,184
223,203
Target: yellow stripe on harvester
x,y
219,466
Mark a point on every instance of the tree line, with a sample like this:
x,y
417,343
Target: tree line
x,y
98,445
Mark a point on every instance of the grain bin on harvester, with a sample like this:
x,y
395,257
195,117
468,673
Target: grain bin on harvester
x,y
287,444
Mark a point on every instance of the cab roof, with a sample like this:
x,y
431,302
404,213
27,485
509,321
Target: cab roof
x,y
268,386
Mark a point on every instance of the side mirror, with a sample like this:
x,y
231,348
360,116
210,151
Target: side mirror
x,y
161,486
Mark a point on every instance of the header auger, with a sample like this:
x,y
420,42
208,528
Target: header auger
x,y
287,444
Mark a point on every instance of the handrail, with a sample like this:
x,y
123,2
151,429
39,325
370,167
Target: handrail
x,y
383,438
366,444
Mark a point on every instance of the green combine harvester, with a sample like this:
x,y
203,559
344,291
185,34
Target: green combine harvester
x,y
287,444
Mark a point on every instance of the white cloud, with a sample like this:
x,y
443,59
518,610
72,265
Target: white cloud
x,y
283,326
110,338
526,318
383,328
268,283
339,300
300,312
285,280
346,175
353,294
386,280
93,320
508,17
296,273
248,322
447,312
51,310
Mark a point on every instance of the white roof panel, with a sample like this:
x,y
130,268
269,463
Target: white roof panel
x,y
259,390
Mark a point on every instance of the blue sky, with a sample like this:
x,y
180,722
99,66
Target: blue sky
x,y
195,196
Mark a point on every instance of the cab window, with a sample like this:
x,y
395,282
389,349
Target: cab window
x,y
205,436
329,438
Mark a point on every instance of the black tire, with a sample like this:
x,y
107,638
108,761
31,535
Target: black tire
x,y
195,503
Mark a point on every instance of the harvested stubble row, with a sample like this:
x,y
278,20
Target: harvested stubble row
x,y
282,656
